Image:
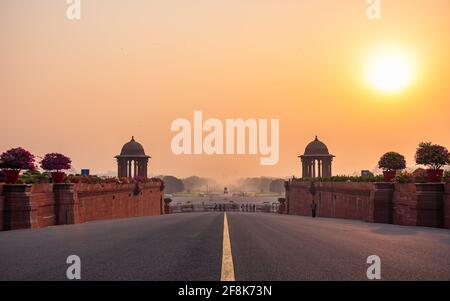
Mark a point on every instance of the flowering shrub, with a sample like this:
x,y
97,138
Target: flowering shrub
x,y
417,176
392,161
404,177
447,176
432,155
56,162
17,158
420,175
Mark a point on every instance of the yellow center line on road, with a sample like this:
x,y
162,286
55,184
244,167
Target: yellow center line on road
x,y
227,256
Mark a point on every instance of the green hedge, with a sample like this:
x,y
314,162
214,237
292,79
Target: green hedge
x,y
338,178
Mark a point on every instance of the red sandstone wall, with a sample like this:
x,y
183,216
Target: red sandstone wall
x,y
298,198
111,201
1,207
41,197
419,205
405,200
336,200
446,206
425,205
42,205
344,200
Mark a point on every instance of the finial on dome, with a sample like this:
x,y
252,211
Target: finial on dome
x,y
132,138
317,139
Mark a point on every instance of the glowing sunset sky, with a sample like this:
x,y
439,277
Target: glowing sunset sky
x,y
131,67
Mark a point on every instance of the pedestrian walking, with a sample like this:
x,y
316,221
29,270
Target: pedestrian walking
x,y
313,209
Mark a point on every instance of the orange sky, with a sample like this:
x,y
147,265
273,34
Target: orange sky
x,y
131,67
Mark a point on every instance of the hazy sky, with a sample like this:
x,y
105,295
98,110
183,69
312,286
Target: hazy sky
x,y
83,88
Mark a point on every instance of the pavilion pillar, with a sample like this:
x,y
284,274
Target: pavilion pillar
x,y
313,168
303,169
138,168
319,168
329,167
145,167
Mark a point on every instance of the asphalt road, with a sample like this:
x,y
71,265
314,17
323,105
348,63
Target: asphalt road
x,y
170,247
281,247
189,247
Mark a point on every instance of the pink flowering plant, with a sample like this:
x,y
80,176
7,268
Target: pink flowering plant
x,y
432,155
17,158
392,161
56,162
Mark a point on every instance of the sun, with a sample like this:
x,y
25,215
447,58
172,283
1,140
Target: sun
x,y
390,71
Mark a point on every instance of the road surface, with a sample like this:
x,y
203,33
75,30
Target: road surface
x,y
189,247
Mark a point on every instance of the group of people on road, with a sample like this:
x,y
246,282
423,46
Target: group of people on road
x,y
235,207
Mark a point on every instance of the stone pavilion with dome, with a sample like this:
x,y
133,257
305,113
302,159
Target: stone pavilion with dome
x,y
132,161
316,161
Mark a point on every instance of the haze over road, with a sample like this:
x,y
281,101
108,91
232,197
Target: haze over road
x,y
189,247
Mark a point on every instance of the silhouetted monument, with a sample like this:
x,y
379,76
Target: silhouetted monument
x,y
316,161
132,161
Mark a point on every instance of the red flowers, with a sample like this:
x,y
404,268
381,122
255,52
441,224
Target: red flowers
x,y
55,162
17,158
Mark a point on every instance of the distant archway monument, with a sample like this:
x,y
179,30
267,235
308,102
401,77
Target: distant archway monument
x,y
316,161
132,161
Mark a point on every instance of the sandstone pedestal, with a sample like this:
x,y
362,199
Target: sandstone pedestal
x,y
19,210
446,207
380,205
419,205
66,204
1,207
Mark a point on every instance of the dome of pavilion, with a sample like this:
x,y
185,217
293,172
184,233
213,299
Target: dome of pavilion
x,y
316,147
132,148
